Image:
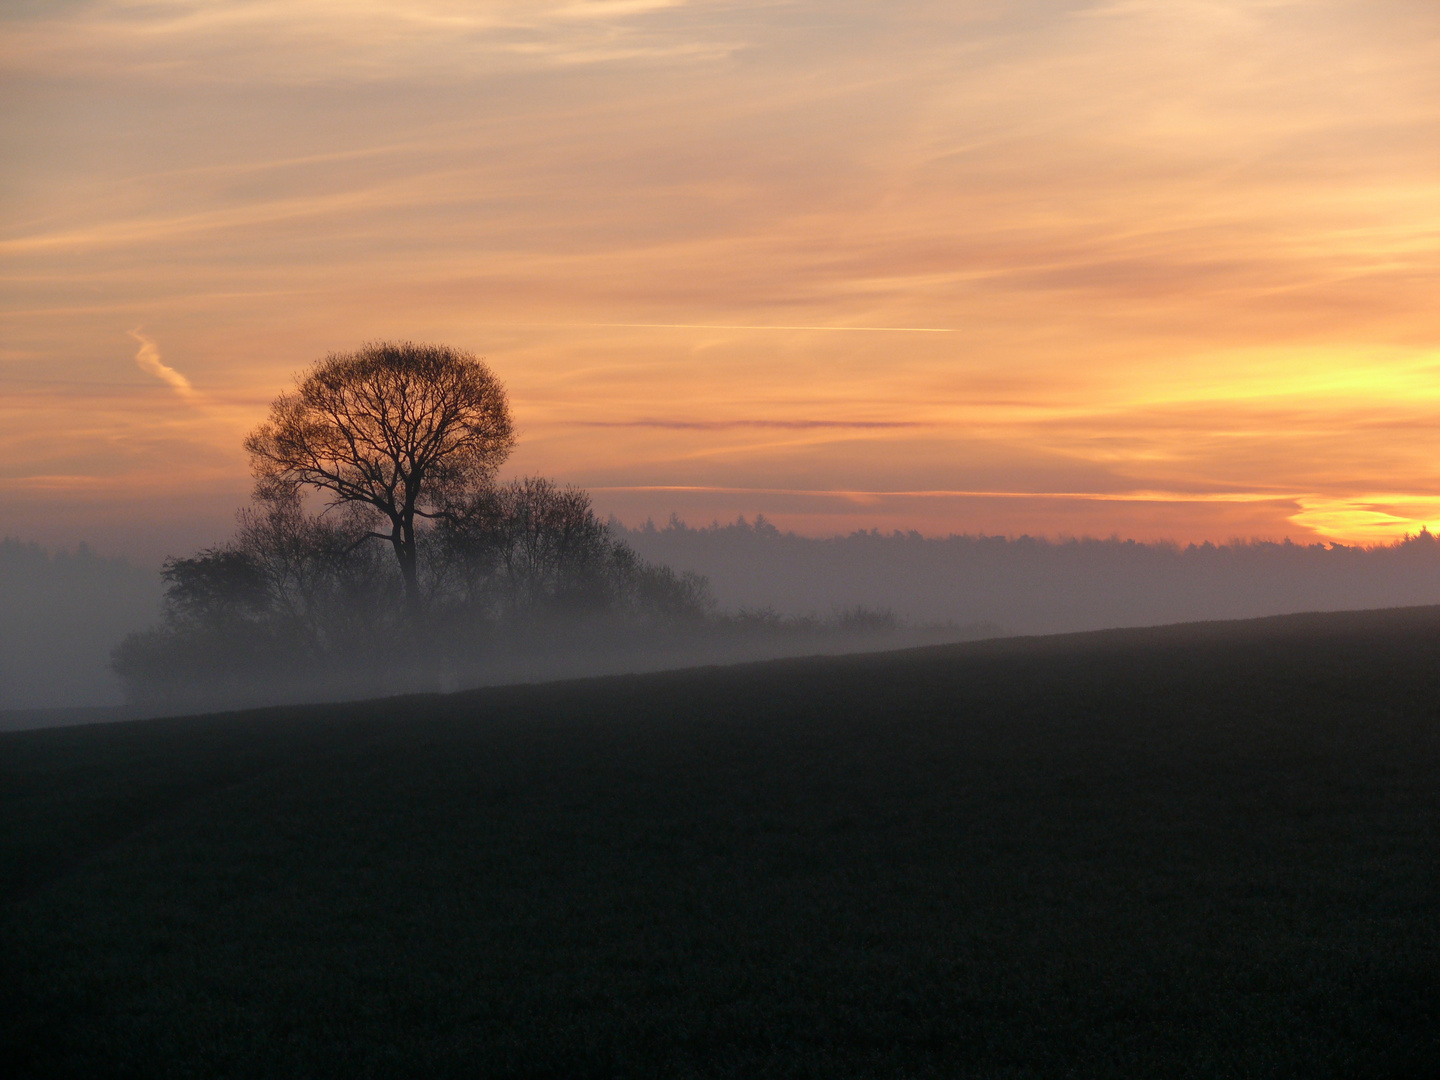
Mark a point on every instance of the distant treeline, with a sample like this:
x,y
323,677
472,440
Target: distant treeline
x,y
60,615
530,584
1032,585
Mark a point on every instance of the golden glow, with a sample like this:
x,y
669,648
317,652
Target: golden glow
x,y
1158,268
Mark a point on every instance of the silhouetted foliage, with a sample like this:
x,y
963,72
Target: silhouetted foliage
x,y
219,587
398,430
302,600
527,545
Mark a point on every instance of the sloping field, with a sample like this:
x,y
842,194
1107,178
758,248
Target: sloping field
x,y
1203,851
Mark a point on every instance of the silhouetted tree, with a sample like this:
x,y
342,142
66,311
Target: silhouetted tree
x,y
532,546
319,576
534,543
218,588
304,602
398,429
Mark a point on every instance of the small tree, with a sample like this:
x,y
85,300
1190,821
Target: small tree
x,y
399,429
534,548
541,543
218,588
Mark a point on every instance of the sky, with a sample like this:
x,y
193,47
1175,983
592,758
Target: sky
x,y
1147,268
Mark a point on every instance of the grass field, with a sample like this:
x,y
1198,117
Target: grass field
x,y
1200,851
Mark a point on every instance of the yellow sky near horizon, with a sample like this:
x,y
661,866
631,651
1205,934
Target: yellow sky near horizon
x,y
1154,269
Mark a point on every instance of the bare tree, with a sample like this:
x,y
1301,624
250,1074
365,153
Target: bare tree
x,y
397,428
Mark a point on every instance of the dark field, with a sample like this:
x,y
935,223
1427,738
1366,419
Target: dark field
x,y
1199,851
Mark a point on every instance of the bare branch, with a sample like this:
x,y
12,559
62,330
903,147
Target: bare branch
x,y
397,427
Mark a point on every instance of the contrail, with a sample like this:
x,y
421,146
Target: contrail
x,y
148,360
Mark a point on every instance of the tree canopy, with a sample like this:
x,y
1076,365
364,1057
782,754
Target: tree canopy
x,y
394,430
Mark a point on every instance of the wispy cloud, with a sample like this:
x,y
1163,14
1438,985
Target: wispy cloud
x,y
147,359
1068,496
1036,246
314,41
723,425
763,326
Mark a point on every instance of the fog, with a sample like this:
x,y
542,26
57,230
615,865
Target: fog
x,y
61,612
769,594
1028,585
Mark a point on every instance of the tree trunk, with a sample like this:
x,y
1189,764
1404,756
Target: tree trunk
x,y
402,536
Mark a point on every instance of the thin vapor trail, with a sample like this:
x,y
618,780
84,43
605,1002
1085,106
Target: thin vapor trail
x,y
147,359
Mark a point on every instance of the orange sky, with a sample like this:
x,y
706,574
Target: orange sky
x,y
1156,269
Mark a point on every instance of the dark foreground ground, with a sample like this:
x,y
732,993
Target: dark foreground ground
x,y
1201,851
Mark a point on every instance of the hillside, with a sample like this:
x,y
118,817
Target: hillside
x,y
1202,850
